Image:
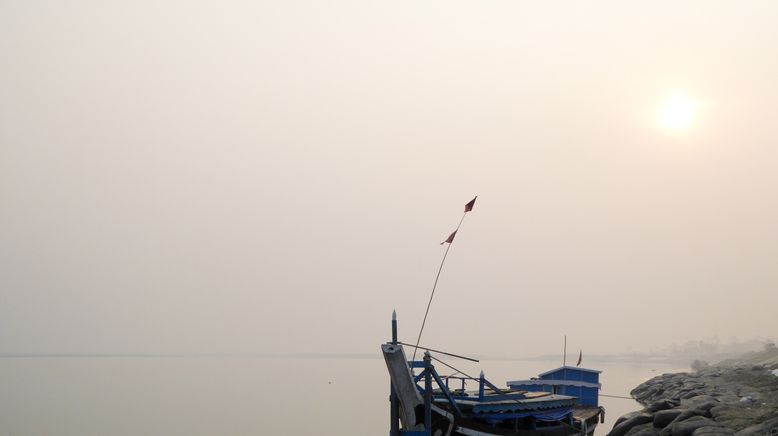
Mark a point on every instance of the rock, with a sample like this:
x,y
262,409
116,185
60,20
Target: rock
x,y
705,407
689,413
623,418
661,405
741,417
768,427
713,431
708,401
647,392
687,427
663,418
698,400
722,410
626,425
737,424
643,430
728,398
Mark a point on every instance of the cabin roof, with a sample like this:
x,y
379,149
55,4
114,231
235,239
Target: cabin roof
x,y
552,401
576,368
545,382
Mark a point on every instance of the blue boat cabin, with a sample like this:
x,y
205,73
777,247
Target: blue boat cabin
x,y
566,380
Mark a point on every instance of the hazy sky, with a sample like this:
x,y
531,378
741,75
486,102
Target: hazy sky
x,y
276,176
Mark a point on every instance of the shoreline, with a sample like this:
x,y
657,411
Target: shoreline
x,y
734,397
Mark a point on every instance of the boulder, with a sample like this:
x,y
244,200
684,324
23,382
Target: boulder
x,y
643,430
663,418
722,410
686,394
713,431
705,408
687,427
661,405
625,426
625,417
689,413
697,400
768,427
646,392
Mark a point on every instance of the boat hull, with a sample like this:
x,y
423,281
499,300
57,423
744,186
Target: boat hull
x,y
474,428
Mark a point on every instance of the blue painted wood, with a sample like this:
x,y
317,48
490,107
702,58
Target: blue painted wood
x,y
428,394
496,407
555,381
446,392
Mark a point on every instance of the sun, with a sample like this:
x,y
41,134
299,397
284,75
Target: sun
x,y
678,112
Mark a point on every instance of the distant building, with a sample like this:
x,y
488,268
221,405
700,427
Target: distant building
x,y
566,380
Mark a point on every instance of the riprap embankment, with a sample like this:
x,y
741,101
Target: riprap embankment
x,y
736,397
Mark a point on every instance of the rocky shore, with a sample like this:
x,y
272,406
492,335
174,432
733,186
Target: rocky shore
x,y
732,398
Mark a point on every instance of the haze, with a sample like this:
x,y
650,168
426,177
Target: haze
x,y
245,177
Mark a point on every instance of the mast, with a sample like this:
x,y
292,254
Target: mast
x,y
394,407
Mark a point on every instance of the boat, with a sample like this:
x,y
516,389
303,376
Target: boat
x,y
424,402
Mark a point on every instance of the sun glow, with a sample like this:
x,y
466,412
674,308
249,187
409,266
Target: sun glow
x,y
678,112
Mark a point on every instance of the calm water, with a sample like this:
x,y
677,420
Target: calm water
x,y
232,396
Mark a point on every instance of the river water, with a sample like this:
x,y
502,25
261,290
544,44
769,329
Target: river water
x,y
194,396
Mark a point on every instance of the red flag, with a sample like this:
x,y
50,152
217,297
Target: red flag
x,y
469,206
580,356
450,239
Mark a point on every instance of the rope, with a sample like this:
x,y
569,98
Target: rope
x,y
617,396
457,370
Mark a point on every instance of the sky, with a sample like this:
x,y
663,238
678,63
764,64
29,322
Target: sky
x,y
276,177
